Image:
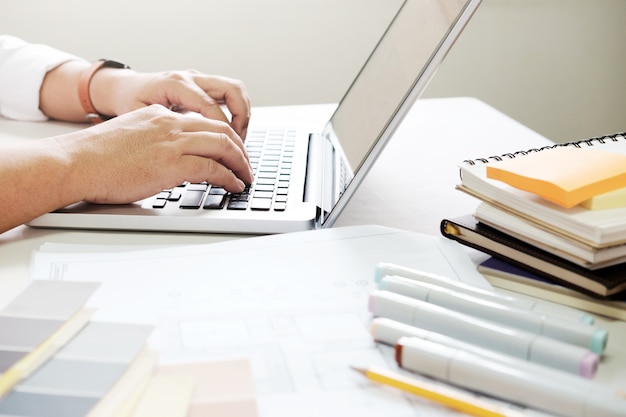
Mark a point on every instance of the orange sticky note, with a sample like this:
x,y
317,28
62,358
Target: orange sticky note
x,y
565,175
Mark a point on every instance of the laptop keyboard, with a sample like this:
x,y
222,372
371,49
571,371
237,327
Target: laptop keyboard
x,y
271,156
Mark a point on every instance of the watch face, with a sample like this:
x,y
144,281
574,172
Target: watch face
x,y
108,63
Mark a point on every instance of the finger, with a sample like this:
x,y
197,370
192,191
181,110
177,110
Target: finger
x,y
198,169
218,147
195,123
190,96
230,92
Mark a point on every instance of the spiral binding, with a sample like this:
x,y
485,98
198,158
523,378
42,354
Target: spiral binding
x,y
579,143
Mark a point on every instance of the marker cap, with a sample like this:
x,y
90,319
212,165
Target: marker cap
x,y
599,341
591,337
560,356
589,365
433,359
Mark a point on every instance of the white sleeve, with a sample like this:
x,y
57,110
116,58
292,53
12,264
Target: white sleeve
x,y
22,70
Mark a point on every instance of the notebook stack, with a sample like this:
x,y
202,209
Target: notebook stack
x,y
558,212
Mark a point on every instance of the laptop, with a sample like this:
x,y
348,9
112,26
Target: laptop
x,y
303,179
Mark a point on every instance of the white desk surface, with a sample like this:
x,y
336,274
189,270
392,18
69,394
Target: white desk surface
x,y
410,187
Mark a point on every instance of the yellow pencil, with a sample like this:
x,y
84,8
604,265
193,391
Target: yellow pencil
x,y
454,399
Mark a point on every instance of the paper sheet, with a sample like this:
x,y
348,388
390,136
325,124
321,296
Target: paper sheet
x,y
294,305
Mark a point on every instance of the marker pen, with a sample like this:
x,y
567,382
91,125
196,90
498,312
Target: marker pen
x,y
518,300
516,381
389,332
487,334
590,337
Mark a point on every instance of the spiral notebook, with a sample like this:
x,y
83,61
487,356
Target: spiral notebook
x,y
593,228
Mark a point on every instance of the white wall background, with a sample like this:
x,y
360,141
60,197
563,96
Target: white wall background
x,y
557,66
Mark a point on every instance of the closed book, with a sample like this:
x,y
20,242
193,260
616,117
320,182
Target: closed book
x,y
597,228
569,249
467,230
509,277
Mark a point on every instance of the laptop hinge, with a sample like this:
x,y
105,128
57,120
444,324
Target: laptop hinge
x,y
319,174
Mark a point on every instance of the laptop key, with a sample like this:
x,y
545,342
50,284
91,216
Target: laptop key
x,y
197,187
191,199
265,181
240,197
217,190
214,201
174,196
159,203
261,204
263,194
237,205
264,187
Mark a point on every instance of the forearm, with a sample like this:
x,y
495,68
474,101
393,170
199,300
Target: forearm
x,y
33,177
59,97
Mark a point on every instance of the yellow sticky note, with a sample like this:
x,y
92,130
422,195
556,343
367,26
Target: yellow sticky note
x,y
565,175
610,200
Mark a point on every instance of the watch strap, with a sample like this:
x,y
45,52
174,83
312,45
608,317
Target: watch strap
x,y
84,84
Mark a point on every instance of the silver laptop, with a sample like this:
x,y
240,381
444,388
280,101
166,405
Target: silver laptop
x,y
304,179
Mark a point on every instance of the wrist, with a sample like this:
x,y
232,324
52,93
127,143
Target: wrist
x,y
97,89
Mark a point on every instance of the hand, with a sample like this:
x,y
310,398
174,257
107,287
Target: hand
x,y
138,154
116,92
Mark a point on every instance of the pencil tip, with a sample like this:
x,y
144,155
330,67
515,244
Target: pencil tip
x,y
360,370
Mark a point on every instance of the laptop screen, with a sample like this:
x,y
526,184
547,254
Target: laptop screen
x,y
394,75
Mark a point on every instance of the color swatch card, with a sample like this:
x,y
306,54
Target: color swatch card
x,y
72,382
36,314
57,300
